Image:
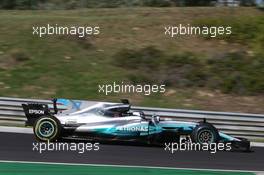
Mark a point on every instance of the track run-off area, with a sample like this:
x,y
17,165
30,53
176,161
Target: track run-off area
x,y
17,157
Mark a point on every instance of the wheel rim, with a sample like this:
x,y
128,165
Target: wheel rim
x,y
46,129
205,136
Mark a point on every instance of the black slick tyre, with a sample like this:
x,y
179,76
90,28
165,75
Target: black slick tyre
x,y
47,128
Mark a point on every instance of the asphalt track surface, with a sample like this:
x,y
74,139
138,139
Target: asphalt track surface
x,y
18,147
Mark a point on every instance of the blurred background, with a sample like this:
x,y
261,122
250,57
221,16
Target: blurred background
x,y
225,73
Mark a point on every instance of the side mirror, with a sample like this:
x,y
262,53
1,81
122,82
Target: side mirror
x,y
155,119
125,101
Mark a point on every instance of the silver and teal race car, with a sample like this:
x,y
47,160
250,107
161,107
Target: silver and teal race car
x,y
103,121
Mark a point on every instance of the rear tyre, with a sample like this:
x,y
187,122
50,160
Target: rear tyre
x,y
205,133
47,128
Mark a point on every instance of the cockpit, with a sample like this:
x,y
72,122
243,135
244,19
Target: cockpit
x,y
122,110
102,109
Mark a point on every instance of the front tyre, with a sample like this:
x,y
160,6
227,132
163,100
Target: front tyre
x,y
47,128
205,133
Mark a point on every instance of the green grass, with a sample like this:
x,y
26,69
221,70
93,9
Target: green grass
x,y
247,30
61,66
37,168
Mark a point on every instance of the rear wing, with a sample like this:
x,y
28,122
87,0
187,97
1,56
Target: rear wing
x,y
35,110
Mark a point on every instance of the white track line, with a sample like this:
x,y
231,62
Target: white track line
x,y
257,144
30,131
16,130
129,166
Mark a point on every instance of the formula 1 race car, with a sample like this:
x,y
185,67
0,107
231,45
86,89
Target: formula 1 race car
x,y
103,121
